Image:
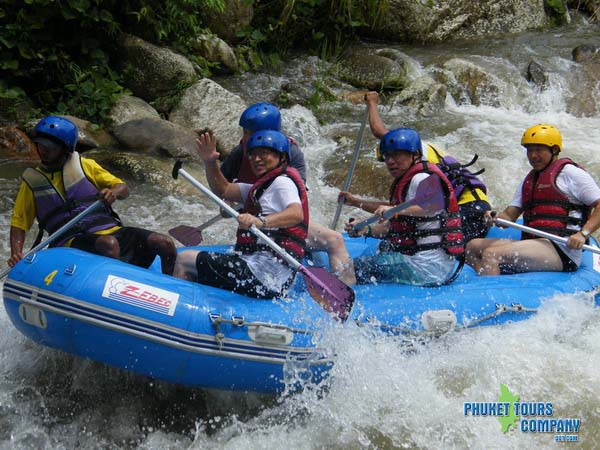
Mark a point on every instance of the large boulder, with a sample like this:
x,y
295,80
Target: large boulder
x,y
424,95
153,71
158,136
372,69
441,20
469,83
208,105
128,108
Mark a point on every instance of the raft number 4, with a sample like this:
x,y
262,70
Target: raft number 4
x,y
50,277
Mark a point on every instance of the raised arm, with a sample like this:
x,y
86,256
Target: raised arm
x,y
206,146
375,123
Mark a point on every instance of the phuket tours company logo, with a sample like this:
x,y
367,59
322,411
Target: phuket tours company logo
x,y
525,416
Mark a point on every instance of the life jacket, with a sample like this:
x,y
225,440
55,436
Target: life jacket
x,y
54,210
545,207
245,174
404,233
459,176
291,239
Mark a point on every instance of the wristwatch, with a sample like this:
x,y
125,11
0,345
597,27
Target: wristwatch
x,y
585,233
264,221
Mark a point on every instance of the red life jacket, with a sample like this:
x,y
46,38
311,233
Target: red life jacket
x,y
404,233
292,239
545,207
245,174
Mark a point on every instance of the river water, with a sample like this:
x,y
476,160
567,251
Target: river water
x,y
379,395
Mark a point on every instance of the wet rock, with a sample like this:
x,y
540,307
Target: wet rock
x,y
424,95
215,49
129,108
153,71
158,136
143,170
470,84
15,144
536,74
91,135
583,53
585,79
364,68
208,105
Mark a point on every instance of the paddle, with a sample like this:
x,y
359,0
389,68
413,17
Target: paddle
x,y
325,288
191,236
57,233
540,233
359,139
429,196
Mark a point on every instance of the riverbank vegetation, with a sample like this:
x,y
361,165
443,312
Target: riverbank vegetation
x,y
60,56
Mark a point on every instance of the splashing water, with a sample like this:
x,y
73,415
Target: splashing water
x,y
381,392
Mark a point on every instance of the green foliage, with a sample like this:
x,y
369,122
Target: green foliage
x,y
59,53
321,25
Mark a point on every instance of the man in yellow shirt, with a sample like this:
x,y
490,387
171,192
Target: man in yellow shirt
x,y
64,185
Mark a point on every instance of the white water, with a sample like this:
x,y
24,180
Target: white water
x,y
379,395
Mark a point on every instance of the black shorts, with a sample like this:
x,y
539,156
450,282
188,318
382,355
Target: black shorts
x,y
568,264
473,219
132,244
230,272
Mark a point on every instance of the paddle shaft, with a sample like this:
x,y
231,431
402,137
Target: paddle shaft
x,y
57,233
428,196
215,219
359,140
386,215
540,233
233,213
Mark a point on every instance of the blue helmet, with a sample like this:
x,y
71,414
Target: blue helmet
x,y
261,116
58,128
400,139
270,139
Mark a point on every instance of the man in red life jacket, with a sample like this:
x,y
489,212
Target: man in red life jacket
x,y
470,191
236,166
557,196
64,185
276,203
418,247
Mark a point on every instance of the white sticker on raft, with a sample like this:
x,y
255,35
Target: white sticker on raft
x,y
596,262
140,295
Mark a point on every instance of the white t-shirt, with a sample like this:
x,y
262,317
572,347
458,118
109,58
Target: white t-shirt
x,y
264,265
579,187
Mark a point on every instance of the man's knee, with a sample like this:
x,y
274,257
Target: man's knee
x,y
107,245
162,244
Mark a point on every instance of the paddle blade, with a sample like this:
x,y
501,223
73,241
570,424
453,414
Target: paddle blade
x,y
430,195
188,236
335,296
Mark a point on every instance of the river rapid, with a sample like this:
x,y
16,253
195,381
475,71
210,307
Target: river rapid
x,y
379,394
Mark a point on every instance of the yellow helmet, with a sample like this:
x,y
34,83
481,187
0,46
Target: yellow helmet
x,y
542,134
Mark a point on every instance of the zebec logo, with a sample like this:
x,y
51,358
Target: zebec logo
x,y
140,295
525,416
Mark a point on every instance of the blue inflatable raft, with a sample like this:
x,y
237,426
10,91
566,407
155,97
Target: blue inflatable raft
x,y
181,332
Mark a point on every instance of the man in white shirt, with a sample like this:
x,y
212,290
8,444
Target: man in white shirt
x,y
276,203
558,197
